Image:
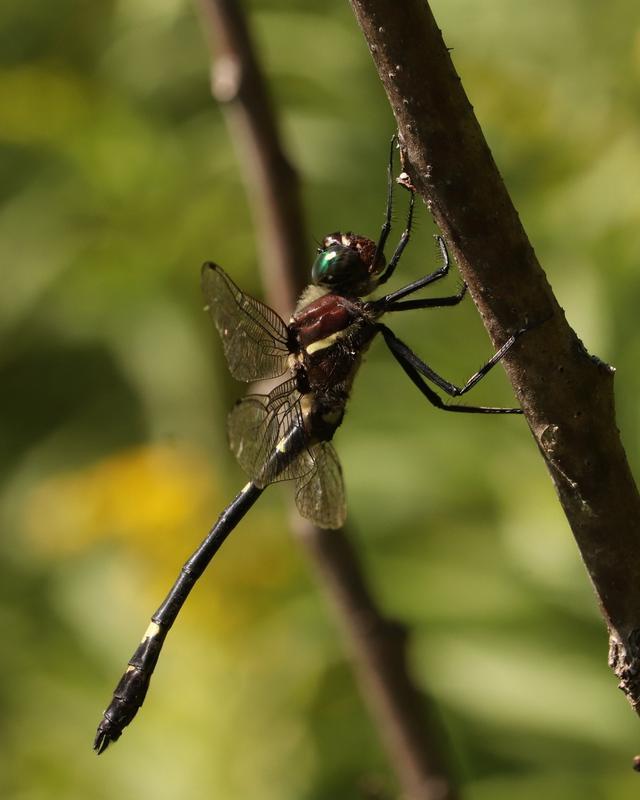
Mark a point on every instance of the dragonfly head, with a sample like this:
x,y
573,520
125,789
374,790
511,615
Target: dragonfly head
x,y
348,263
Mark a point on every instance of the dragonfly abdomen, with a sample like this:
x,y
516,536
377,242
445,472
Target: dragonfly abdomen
x,y
132,688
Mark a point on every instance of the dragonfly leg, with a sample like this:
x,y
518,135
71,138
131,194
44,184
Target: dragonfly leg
x,y
404,241
429,302
383,303
386,225
415,368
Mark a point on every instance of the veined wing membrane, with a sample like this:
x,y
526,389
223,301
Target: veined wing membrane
x,y
254,337
267,436
320,494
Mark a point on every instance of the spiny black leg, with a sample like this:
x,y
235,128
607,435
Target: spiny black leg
x,y
382,303
436,401
404,240
430,302
386,225
415,368
450,388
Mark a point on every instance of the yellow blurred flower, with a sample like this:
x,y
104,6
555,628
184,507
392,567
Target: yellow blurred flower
x,y
159,501
144,495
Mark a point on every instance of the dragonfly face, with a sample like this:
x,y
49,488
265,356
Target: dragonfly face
x,y
348,263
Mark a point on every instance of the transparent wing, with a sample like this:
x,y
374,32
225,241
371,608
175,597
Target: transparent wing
x,y
267,436
320,493
254,337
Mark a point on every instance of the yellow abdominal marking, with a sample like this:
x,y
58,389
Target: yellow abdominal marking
x,y
306,405
332,416
152,630
321,344
281,447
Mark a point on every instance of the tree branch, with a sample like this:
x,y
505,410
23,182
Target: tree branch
x,y
567,394
407,723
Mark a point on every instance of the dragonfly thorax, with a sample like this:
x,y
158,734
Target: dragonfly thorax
x,y
348,264
331,333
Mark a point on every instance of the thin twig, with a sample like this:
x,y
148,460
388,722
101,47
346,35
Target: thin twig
x,y
272,183
407,723
567,394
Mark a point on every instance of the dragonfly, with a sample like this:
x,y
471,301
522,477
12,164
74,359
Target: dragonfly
x,y
286,434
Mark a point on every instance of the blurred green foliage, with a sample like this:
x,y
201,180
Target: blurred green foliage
x,y
118,180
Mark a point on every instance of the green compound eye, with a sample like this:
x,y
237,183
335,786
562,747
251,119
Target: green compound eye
x,y
324,265
336,265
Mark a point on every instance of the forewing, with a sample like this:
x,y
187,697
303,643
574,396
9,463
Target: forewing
x,y
320,495
254,337
266,435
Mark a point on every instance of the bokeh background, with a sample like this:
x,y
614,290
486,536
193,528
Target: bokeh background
x,y
118,180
